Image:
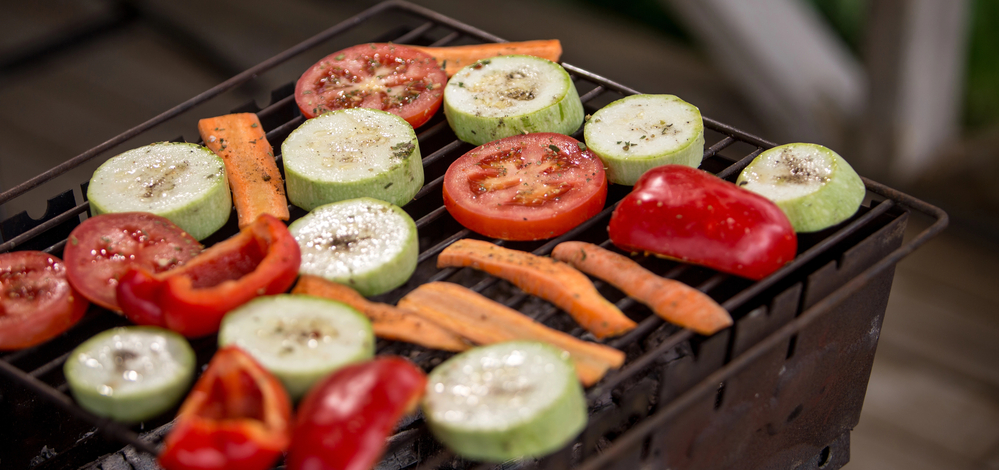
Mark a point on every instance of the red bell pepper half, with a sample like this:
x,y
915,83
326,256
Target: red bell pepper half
x,y
191,299
688,214
344,420
238,416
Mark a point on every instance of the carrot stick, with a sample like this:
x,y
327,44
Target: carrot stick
x,y
455,57
388,322
249,162
672,300
484,321
544,277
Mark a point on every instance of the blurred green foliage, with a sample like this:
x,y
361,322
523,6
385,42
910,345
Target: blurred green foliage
x,y
982,92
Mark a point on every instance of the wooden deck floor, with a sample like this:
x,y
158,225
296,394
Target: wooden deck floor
x,y
933,399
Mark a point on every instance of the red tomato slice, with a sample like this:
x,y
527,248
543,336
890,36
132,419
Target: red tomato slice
x,y
525,187
389,77
36,301
102,248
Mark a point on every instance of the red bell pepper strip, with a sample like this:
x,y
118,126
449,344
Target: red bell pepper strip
x,y
679,212
343,421
191,299
238,416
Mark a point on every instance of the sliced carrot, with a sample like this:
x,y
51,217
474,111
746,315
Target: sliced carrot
x,y
249,163
672,300
453,58
544,277
388,322
484,321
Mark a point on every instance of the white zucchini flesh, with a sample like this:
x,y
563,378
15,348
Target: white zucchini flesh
x,y
505,401
367,244
352,153
299,338
185,183
814,186
130,374
640,132
509,95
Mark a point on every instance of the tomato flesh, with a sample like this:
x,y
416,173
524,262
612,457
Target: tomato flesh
x,y
101,249
525,187
388,77
36,301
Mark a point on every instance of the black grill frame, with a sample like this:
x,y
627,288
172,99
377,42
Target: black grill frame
x,y
862,253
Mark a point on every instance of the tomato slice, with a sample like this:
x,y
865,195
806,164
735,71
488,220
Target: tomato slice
x,y
36,301
389,77
525,187
101,249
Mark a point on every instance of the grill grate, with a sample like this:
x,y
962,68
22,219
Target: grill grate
x,y
667,372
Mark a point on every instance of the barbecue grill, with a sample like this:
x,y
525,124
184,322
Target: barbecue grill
x,y
782,388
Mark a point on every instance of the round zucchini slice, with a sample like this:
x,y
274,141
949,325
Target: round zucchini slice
x,y
505,401
814,186
185,183
509,95
640,132
299,338
365,243
132,373
352,153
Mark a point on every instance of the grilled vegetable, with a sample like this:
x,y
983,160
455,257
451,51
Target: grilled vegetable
x,y
37,302
691,215
299,338
185,183
813,185
388,322
365,243
509,95
484,321
672,300
454,58
525,187
102,248
257,187
345,419
238,416
551,280
352,153
130,374
388,77
261,259
639,132
505,401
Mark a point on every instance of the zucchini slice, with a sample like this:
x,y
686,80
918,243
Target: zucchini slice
x,y
132,373
352,153
505,401
185,183
640,132
814,186
509,95
365,243
299,338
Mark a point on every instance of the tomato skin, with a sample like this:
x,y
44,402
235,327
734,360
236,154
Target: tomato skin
x,y
521,188
37,303
693,216
237,417
101,249
387,77
262,259
343,421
